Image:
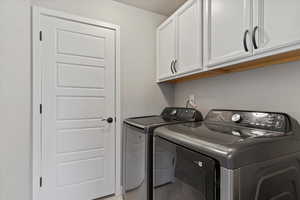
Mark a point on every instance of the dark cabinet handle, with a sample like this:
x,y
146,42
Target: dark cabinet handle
x,y
254,37
172,63
174,66
245,40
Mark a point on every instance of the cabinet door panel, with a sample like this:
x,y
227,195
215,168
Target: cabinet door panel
x,y
166,48
278,23
225,24
189,53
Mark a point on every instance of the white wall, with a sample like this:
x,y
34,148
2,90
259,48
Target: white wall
x,y
15,74
274,88
140,93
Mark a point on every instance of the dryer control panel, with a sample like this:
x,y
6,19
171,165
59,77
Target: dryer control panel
x,y
254,119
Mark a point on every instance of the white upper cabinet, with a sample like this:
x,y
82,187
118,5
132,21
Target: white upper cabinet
x,y
189,40
227,31
204,35
179,42
276,24
166,49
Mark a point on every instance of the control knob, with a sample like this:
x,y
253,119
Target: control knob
x,y
174,112
236,118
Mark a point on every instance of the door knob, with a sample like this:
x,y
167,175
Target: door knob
x,y
108,120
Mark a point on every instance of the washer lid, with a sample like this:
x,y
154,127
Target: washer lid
x,y
169,115
148,121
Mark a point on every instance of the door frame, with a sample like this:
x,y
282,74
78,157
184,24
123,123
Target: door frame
x,y
37,12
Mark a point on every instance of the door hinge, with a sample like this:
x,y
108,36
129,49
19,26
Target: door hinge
x,y
41,36
41,108
41,181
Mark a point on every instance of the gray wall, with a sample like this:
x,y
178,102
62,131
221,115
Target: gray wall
x,y
274,88
140,93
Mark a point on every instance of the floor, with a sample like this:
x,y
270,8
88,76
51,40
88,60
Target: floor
x,y
112,198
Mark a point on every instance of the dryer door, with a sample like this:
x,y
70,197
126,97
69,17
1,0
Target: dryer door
x,y
180,173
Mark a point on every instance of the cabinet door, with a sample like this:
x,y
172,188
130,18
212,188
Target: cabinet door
x,y
166,47
276,24
189,37
227,30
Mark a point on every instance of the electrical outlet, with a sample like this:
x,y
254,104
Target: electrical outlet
x,y
192,98
191,101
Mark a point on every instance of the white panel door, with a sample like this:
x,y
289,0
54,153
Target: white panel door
x,y
166,48
276,23
78,146
189,37
227,27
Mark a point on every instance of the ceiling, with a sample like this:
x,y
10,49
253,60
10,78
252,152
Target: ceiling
x,y
163,7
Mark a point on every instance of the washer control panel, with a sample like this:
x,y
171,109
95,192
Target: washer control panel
x,y
255,119
182,114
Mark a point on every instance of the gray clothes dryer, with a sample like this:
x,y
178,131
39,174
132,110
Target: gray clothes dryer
x,y
231,155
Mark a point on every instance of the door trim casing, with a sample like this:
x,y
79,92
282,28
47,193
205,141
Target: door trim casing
x,y
37,94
